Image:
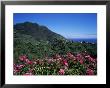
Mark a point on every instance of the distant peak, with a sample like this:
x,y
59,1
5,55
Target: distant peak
x,y
27,22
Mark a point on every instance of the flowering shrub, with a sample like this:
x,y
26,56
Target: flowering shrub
x,y
69,64
61,71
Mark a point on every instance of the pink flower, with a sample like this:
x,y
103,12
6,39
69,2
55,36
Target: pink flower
x,y
59,59
65,62
91,59
28,73
15,71
22,58
56,56
79,57
28,61
65,67
87,56
81,61
35,62
20,66
70,55
49,61
90,72
14,66
61,72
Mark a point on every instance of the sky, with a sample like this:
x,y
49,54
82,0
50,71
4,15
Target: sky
x,y
69,25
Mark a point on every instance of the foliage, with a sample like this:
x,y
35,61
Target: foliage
x,y
57,65
39,51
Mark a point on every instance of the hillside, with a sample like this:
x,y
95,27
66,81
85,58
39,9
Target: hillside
x,y
35,31
39,51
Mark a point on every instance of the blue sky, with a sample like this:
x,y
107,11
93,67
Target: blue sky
x,y
69,25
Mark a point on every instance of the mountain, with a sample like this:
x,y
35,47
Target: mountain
x,y
35,31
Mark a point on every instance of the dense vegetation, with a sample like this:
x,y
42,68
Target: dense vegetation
x,y
39,51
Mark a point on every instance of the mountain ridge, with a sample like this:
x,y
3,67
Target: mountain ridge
x,y
38,32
